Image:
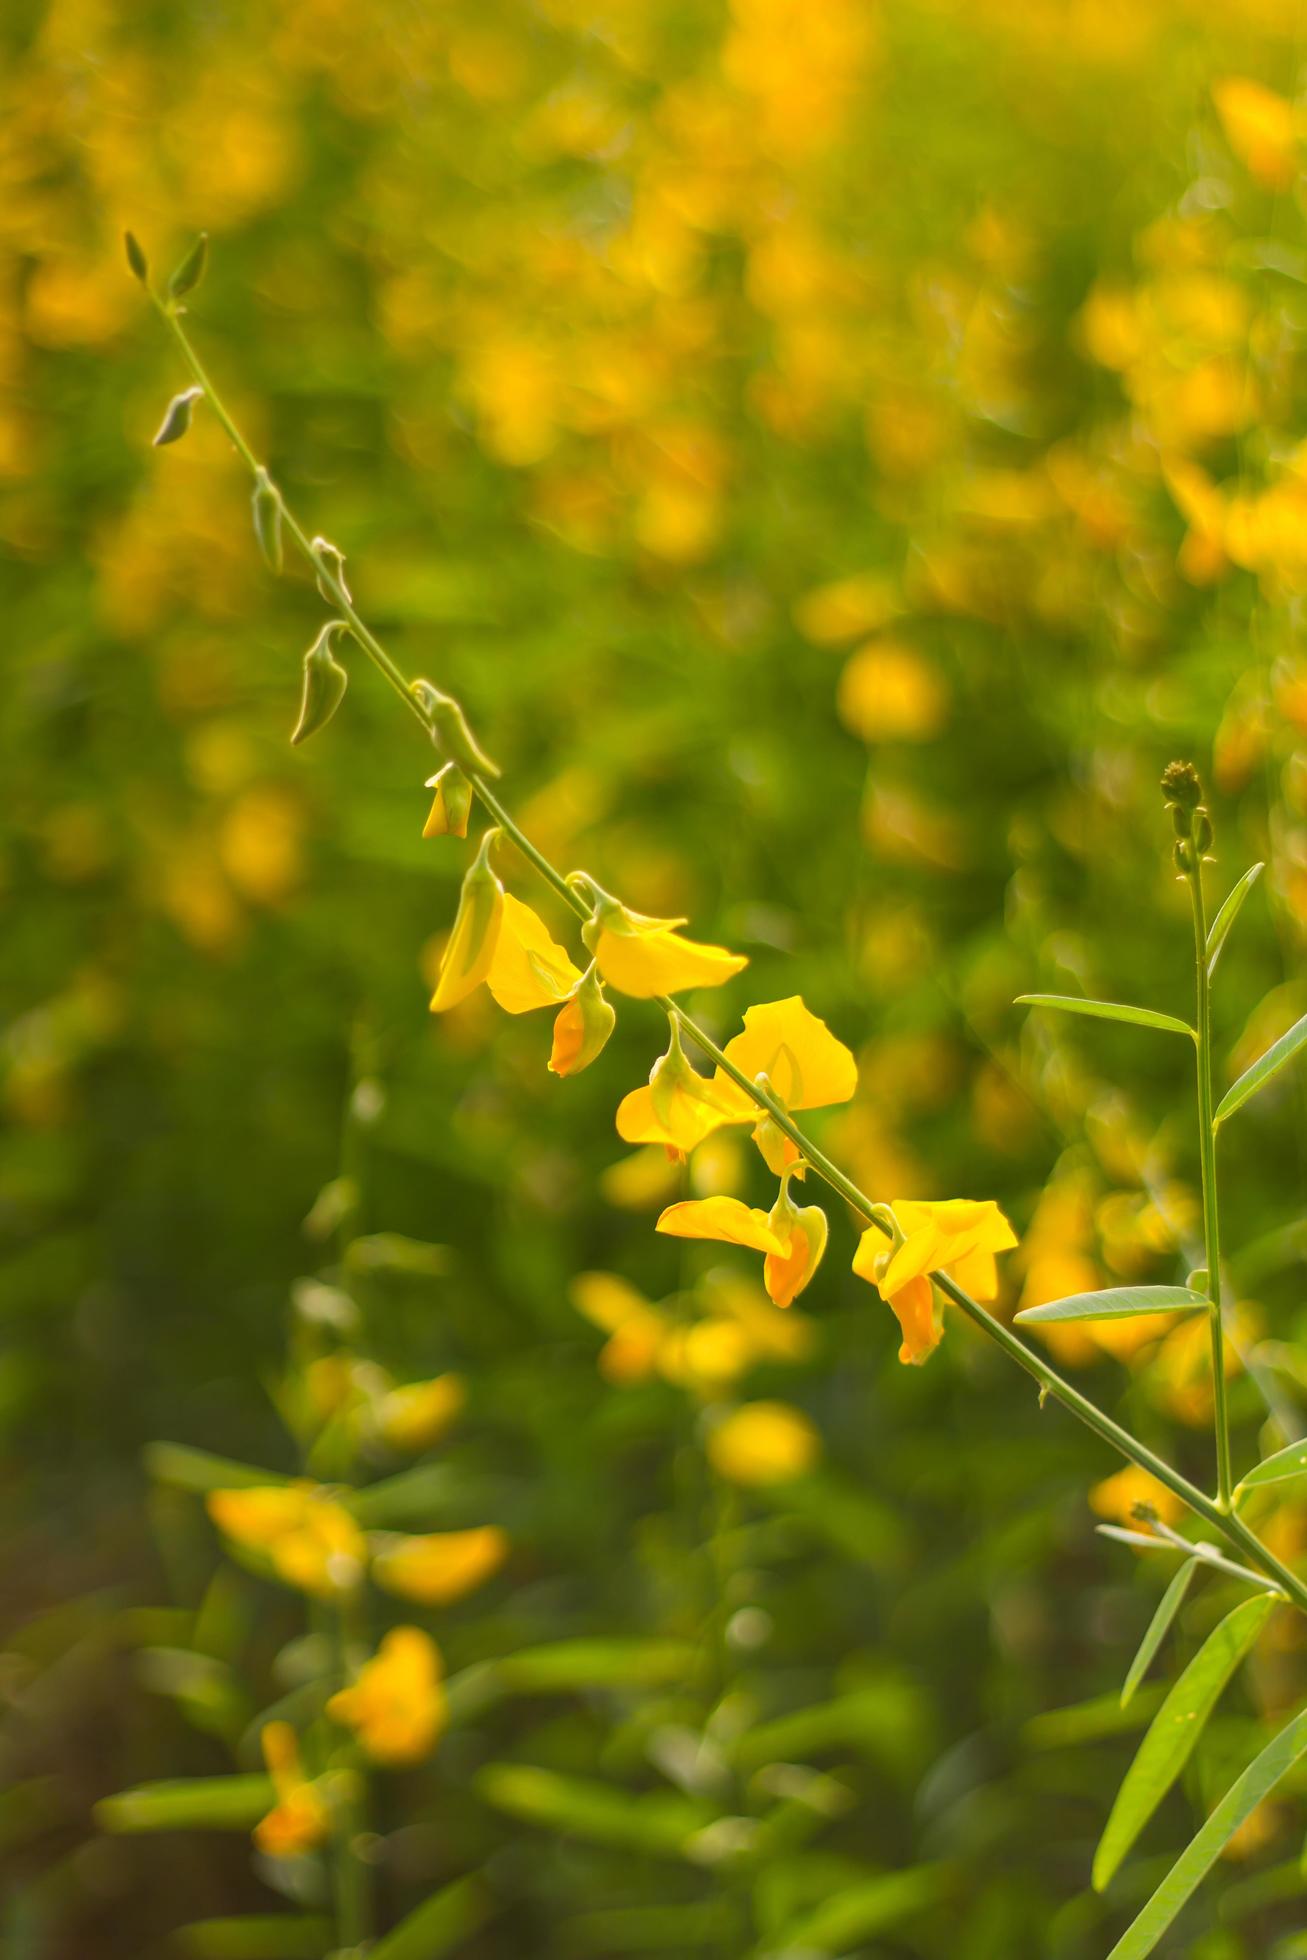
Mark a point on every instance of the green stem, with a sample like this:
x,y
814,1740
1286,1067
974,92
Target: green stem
x,y
1211,1222
1226,1523
351,1876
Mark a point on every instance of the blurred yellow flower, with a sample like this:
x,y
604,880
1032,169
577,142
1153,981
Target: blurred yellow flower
x,y
438,1566
299,1819
418,1414
961,1234
1116,1497
1260,127
763,1443
309,1538
889,693
396,1705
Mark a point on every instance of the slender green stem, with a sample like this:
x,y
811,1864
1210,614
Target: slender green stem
x,y
351,1875
1218,1516
1211,1222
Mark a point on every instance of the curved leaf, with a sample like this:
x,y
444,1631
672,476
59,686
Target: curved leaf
x,y
1194,1863
197,1803
439,1925
1277,1056
1115,1303
1168,1606
1176,1727
255,1936
1106,1010
1227,915
1291,1461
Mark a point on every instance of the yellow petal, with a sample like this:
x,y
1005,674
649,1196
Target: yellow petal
x,y
441,1565
687,1118
786,1274
805,1064
528,969
608,1301
467,958
582,1028
1117,1496
726,1219
397,1704
656,960
763,1443
415,1416
914,1309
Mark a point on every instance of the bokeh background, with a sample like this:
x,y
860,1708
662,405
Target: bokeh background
x,y
839,453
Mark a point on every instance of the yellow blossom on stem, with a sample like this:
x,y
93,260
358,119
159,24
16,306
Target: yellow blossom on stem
x,y
439,1566
418,1414
396,1705
311,1541
678,1109
451,804
804,1066
471,948
763,1443
299,1819
960,1234
644,957
791,1240
583,1026
527,968
1118,1497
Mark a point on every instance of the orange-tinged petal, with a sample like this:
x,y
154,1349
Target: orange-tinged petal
x,y
440,1566
726,1219
583,1026
914,1309
808,1068
527,968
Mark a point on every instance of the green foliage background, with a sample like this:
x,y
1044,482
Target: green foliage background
x,y
606,339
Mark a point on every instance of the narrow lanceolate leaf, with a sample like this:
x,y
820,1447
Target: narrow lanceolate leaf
x,y
1193,1864
1288,1462
1175,1729
197,1803
254,1936
1168,1607
1106,1010
191,270
1116,1303
439,1925
1227,915
1277,1056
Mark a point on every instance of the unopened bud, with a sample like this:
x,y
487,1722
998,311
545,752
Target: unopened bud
x,y
267,519
471,946
325,681
583,1026
450,732
1180,784
802,1230
331,560
191,270
136,258
451,804
177,417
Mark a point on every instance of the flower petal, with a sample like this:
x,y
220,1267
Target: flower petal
x,y
528,968
806,1065
726,1219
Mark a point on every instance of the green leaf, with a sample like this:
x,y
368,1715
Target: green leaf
x,y
660,1823
183,1468
255,1936
1194,1863
1090,1721
1176,1727
568,1664
1115,1303
1106,1010
191,270
858,1913
198,1803
1168,1606
439,1925
1291,1461
1227,915
1277,1056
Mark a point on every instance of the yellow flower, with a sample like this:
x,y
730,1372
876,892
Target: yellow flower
x,y
962,1234
805,1065
678,1109
583,1026
1261,129
299,1818
643,957
415,1416
636,1330
791,1240
1117,1496
451,804
396,1706
311,1541
439,1566
763,1443
889,693
471,948
527,969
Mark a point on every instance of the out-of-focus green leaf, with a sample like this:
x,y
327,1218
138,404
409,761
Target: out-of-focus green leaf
x,y
1175,1730
201,1803
1227,915
1278,1056
1289,1462
1091,1721
1106,1010
648,1929
1167,1608
595,1664
439,1925
1115,1303
857,1914
661,1822
183,1468
1194,1863
206,1689
391,1252
255,1936
889,1721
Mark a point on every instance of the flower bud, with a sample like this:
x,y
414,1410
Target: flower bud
x,y
325,681
191,270
802,1230
583,1026
267,519
450,732
451,805
331,560
1181,786
471,948
136,258
177,417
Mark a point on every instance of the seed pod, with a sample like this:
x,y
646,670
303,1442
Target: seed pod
x,y
583,1026
177,418
191,270
451,804
267,519
332,558
450,732
325,681
136,258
